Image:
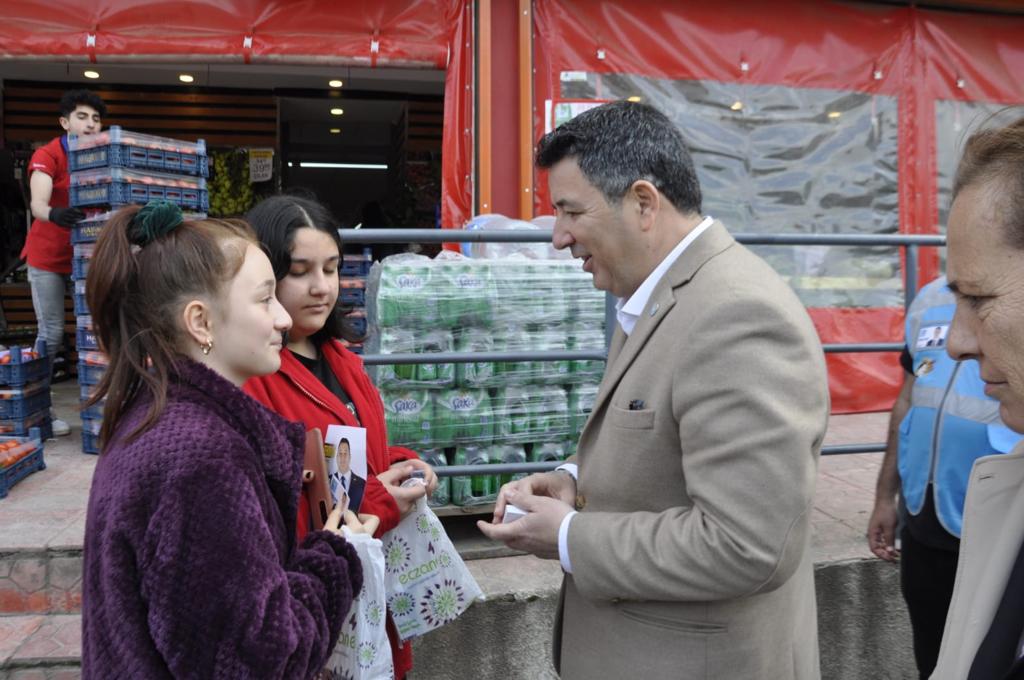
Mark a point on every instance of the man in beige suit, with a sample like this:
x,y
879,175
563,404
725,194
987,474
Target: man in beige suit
x,y
688,555
985,267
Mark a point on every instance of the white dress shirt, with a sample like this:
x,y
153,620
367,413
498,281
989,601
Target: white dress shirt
x,y
628,312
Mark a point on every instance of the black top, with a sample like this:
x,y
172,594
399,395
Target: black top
x,y
322,370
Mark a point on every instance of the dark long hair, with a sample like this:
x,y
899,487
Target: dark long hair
x,y
136,295
275,220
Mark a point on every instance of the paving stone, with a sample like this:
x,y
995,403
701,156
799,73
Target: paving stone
x,y
65,572
14,630
29,574
59,638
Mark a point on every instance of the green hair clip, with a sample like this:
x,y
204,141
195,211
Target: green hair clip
x,y
156,219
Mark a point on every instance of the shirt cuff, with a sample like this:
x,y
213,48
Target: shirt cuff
x,y
571,468
563,540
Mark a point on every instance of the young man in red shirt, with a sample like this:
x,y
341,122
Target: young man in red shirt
x,y
48,245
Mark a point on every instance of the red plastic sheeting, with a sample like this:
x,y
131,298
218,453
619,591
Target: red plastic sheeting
x,y
417,33
457,136
406,32
915,55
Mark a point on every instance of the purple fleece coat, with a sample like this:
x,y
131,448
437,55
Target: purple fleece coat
x,y
191,568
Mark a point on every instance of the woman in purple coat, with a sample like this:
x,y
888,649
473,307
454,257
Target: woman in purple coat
x,y
191,567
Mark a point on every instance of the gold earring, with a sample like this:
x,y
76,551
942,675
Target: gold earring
x,y
207,347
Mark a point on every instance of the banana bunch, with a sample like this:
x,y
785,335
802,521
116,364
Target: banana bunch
x,y
231,193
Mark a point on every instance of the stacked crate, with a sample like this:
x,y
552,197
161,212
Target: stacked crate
x,y
108,171
24,413
353,272
20,456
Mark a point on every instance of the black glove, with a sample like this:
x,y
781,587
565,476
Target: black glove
x,y
66,217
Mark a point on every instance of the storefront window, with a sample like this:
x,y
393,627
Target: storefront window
x,y
955,121
774,159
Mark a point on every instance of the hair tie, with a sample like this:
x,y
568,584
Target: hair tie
x,y
156,219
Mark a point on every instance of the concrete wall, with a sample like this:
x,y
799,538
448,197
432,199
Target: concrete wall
x,y
864,632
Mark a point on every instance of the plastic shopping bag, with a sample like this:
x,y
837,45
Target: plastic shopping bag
x,y
363,652
427,583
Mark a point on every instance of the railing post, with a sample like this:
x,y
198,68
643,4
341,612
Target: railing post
x,y
910,285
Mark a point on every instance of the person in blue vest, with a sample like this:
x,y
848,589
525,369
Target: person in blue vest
x,y
941,422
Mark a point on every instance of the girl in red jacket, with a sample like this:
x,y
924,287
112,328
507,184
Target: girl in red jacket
x,y
321,383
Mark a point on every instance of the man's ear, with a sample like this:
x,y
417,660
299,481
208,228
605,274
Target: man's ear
x,y
648,202
65,123
198,326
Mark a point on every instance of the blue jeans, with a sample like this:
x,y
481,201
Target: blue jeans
x,y
48,290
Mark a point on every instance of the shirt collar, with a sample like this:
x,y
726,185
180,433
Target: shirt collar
x,y
628,311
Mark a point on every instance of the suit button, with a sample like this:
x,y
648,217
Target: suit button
x,y
581,501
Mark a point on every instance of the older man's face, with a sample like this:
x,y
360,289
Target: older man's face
x,y
987,275
604,236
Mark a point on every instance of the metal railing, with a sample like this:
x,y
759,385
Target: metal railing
x,y
910,243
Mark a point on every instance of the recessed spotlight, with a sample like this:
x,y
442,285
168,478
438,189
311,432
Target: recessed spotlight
x,y
91,74
335,131
737,106
834,114
337,112
335,83
185,78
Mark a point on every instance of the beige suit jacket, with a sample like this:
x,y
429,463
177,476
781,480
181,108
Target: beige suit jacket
x,y
992,532
690,554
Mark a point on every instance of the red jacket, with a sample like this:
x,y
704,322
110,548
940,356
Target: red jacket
x,y
298,395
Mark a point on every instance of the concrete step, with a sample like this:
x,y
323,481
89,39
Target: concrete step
x,y
40,647
41,582
863,628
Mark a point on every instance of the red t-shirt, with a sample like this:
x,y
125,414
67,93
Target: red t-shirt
x,y
48,246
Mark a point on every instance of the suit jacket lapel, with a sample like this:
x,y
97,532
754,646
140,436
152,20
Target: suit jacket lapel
x,y
624,350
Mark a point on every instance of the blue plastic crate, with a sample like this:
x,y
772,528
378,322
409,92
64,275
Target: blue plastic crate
x,y
31,462
18,402
80,268
91,425
90,443
140,158
121,186
355,267
81,306
355,297
86,232
358,324
94,412
121,194
20,371
90,374
85,338
20,427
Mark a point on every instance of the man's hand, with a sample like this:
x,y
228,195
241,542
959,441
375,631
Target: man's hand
x,y
535,533
882,530
405,497
66,217
429,476
559,485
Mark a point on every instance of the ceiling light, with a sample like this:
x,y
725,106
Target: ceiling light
x,y
335,83
185,78
337,112
345,166
91,74
290,164
335,131
834,114
737,106
634,98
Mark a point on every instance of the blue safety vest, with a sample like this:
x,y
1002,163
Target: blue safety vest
x,y
951,422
